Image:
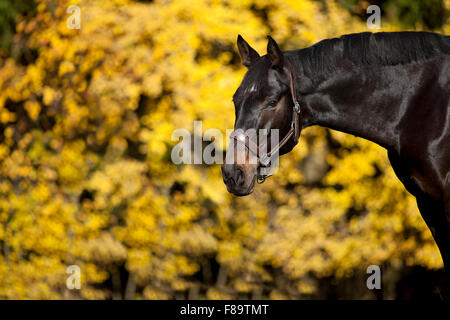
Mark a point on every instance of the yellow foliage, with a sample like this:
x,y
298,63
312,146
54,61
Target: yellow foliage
x,y
86,176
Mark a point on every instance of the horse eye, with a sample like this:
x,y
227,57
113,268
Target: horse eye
x,y
273,103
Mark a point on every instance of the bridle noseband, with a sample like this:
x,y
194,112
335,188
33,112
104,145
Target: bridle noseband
x,y
294,131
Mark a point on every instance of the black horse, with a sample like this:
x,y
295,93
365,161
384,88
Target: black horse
x,y
390,88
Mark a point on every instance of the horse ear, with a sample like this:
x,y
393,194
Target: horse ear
x,y
248,54
274,52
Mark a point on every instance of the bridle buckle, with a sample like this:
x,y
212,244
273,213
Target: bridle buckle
x,y
261,179
296,107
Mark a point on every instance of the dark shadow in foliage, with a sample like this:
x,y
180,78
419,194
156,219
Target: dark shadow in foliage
x,y
11,12
418,283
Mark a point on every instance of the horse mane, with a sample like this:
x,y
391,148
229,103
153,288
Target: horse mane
x,y
326,56
374,49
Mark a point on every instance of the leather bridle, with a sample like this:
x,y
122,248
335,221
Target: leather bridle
x,y
294,131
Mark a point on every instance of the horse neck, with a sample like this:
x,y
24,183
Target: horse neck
x,y
366,103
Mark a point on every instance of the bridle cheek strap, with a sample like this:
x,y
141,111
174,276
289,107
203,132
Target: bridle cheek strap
x,y
294,131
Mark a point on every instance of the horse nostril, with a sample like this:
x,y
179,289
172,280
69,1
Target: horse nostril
x,y
233,174
227,172
239,176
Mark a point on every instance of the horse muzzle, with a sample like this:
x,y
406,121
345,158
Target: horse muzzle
x,y
239,179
